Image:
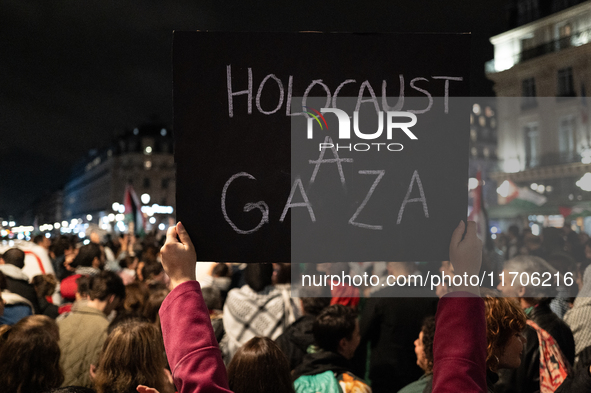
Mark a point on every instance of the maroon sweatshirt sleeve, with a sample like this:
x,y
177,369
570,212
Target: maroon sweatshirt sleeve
x,y
459,348
191,347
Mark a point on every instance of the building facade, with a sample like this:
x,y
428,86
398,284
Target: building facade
x,y
143,158
541,74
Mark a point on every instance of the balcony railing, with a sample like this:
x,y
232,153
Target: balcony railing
x,y
576,39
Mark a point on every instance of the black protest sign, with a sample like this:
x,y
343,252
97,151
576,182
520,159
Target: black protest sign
x,y
269,170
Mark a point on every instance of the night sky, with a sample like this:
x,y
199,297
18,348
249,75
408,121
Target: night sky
x,y
74,74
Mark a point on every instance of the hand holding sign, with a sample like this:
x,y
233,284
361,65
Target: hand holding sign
x,y
178,257
465,254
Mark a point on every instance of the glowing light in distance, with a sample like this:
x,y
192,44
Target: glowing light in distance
x,y
503,189
584,183
512,165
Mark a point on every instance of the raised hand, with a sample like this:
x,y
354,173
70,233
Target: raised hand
x,y
178,256
465,254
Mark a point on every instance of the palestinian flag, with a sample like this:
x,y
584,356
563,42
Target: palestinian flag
x,y
508,192
133,213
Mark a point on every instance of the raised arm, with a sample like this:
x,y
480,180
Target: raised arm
x,y
189,340
459,347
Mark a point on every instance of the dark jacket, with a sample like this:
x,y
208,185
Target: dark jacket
x,y
294,342
580,380
319,362
323,361
18,282
391,322
526,378
491,379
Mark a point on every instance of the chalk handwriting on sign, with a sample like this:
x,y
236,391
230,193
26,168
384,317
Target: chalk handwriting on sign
x,y
285,152
331,97
298,187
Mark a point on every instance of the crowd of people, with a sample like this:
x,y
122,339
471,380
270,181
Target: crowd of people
x,y
122,314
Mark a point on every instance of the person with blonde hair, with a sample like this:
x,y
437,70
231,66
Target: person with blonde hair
x,y
132,354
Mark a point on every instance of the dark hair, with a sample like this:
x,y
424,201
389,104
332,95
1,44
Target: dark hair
x,y
128,261
283,273
83,285
258,275
37,239
151,270
132,354
14,256
136,296
60,245
314,305
30,355
86,255
72,389
333,324
105,284
3,285
44,284
220,270
153,304
260,366
514,230
212,298
428,330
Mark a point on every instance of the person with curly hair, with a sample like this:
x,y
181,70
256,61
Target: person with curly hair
x,y
505,323
424,352
30,356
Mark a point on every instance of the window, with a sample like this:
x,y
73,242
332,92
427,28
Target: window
x,y
532,143
565,86
146,183
566,138
528,92
165,182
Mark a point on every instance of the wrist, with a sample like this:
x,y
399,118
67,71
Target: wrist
x,y
176,282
